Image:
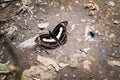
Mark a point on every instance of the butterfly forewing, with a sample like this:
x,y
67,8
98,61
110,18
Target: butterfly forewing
x,y
60,30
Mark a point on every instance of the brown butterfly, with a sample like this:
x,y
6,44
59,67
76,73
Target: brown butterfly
x,y
55,38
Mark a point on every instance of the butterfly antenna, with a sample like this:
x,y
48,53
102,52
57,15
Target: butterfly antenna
x,y
44,50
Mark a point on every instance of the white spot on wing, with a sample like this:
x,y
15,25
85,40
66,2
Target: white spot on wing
x,y
49,40
59,34
53,40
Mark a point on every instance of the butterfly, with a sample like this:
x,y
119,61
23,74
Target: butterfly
x,y
55,38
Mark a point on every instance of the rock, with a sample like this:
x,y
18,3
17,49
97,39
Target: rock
x,y
86,65
17,4
28,43
42,9
62,8
47,62
113,63
116,22
83,20
73,27
43,25
58,14
112,35
76,1
39,73
85,50
111,3
91,13
63,64
92,7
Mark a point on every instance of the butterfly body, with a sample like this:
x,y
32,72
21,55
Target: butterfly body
x,y
55,38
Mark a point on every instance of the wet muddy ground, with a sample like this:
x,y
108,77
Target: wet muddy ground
x,y
82,57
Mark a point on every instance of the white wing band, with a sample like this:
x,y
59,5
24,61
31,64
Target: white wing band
x,y
59,34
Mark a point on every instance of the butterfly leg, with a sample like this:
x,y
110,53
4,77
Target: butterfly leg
x,y
43,49
40,49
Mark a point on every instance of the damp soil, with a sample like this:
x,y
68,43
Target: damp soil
x,y
103,47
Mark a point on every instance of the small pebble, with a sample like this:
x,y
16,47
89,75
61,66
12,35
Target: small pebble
x,y
111,3
113,63
86,65
91,13
83,20
73,27
100,72
17,4
116,22
57,14
74,75
62,7
43,25
65,74
112,35
76,1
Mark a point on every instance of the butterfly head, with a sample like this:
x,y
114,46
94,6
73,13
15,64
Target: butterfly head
x,y
64,23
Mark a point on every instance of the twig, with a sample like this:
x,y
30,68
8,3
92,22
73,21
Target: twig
x,y
113,56
44,49
83,51
6,6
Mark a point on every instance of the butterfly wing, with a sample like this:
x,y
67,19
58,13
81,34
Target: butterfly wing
x,y
46,41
